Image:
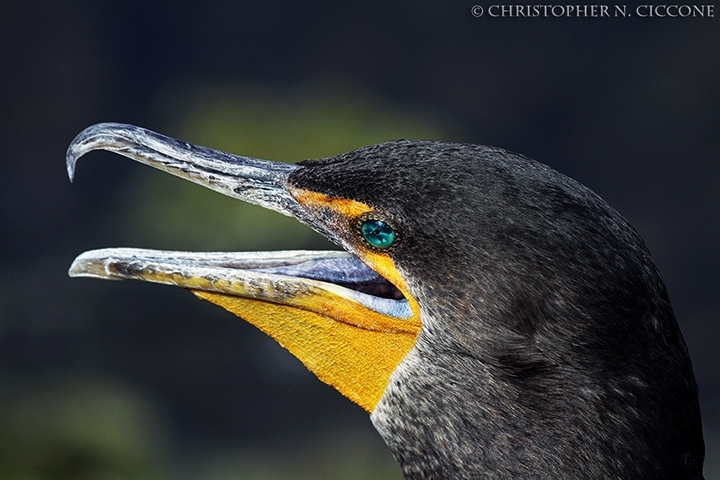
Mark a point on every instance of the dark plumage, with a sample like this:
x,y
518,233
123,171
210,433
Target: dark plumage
x,y
536,338
549,347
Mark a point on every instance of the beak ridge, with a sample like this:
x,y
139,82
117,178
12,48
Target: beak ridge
x,y
261,182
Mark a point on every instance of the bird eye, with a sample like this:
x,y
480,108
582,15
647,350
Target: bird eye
x,y
377,233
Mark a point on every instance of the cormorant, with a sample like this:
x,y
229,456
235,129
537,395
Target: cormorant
x,y
496,318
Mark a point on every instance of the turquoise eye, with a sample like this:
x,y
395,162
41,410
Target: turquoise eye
x,y
377,233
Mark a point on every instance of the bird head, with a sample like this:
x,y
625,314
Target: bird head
x,y
481,302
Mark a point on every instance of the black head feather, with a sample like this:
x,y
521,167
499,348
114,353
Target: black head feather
x,y
549,346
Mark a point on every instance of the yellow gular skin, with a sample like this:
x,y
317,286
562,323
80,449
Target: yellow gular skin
x,y
345,344
356,361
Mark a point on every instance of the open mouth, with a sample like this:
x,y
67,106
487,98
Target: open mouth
x,y
279,277
347,315
303,279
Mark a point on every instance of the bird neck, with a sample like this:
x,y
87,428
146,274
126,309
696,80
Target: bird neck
x,y
449,415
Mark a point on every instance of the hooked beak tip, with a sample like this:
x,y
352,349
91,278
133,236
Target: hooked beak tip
x,y
70,163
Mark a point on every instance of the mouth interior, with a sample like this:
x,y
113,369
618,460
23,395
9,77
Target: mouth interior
x,y
348,272
342,274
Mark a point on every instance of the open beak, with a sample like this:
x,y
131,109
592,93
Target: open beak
x,y
313,303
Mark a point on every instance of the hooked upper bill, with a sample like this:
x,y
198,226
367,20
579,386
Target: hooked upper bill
x,y
312,303
261,182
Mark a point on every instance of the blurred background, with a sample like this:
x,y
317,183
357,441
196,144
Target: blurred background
x,y
123,380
